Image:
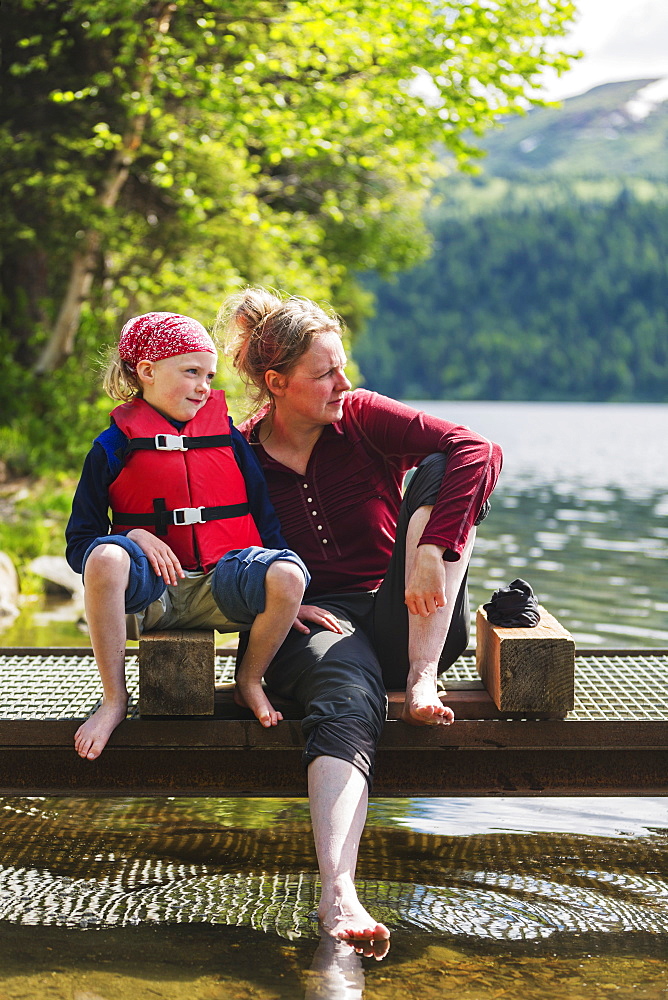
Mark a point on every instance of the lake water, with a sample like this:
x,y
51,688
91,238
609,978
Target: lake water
x,y
487,898
581,513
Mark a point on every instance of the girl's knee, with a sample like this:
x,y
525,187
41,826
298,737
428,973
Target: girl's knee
x,y
286,578
106,560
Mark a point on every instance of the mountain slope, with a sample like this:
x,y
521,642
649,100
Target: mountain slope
x,y
617,129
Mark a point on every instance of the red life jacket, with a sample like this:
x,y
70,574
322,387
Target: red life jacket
x,y
186,488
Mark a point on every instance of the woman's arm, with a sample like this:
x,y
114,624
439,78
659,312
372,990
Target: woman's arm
x,y
404,436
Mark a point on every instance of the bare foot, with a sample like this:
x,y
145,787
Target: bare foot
x,y
423,707
347,920
250,694
91,738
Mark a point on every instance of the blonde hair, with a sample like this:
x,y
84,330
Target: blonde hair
x,y
267,330
119,378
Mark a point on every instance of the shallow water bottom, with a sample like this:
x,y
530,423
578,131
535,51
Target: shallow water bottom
x,y
137,899
207,963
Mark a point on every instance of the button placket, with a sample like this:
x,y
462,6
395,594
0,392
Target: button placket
x,y
314,513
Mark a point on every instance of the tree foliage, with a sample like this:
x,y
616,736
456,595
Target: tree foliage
x,y
552,292
159,154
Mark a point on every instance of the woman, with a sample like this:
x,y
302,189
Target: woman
x,y
391,571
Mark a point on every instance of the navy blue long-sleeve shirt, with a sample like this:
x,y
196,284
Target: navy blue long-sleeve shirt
x,y
90,507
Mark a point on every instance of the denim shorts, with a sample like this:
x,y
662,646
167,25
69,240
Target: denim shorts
x,y
228,598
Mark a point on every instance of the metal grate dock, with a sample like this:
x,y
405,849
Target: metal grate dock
x,y
615,742
64,684
55,684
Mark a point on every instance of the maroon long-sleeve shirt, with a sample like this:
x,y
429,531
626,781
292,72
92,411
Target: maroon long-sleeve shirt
x,y
341,516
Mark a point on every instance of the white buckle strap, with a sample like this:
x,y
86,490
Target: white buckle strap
x,y
187,515
171,442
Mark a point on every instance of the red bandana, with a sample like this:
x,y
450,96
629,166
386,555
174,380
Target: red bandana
x,y
159,335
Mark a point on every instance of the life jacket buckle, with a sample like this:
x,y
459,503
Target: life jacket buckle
x,y
169,442
188,515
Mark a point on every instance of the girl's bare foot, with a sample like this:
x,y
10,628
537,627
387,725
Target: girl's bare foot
x,y
250,694
423,707
91,738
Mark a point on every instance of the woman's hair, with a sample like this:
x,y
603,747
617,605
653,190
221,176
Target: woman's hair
x,y
120,378
265,330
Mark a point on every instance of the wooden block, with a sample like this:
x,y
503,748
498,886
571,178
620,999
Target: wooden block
x,y
177,672
132,627
527,669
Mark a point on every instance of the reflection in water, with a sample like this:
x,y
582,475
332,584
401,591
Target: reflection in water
x,y
336,972
173,895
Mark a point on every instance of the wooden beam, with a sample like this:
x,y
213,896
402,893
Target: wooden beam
x,y
126,771
488,736
177,672
237,757
527,669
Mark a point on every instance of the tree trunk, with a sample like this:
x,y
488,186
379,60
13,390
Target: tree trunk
x,y
61,341
62,338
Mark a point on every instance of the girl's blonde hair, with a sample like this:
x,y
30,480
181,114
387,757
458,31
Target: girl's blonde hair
x,y
119,378
267,330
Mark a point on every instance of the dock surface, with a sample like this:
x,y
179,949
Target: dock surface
x,y
614,742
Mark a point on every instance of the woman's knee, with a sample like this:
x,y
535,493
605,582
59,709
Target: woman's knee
x,y
425,483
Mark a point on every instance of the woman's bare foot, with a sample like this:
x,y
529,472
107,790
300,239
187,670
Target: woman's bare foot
x,y
250,694
423,707
347,920
91,738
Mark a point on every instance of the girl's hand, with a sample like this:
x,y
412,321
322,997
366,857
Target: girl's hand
x,y
425,588
159,554
312,613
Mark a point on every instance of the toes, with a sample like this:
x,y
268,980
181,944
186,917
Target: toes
x,y
365,936
270,717
431,715
89,749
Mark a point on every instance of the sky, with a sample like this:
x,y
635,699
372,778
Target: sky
x,y
621,39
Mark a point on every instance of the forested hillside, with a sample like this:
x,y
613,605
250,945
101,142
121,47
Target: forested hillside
x,y
544,283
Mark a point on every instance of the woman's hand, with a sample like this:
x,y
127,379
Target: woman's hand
x,y
320,616
425,588
159,554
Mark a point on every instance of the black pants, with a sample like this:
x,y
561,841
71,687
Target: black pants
x,y
341,680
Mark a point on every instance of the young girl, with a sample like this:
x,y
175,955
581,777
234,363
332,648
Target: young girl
x,y
194,539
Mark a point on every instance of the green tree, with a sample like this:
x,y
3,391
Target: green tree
x,y
159,154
